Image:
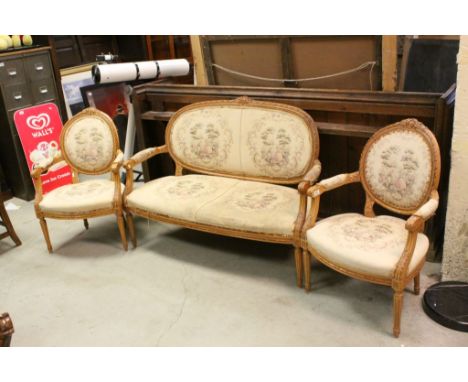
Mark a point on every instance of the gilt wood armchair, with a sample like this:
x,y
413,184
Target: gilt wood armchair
x,y
89,145
399,170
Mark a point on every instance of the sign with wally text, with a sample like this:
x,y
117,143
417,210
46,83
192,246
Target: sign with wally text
x,y
39,130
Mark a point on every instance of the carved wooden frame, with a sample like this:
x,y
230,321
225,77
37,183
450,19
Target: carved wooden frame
x,y
113,168
6,330
305,181
414,224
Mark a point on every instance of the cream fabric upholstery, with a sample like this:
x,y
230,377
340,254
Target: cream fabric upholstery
x,y
179,196
249,141
219,201
371,246
80,197
89,144
274,143
398,168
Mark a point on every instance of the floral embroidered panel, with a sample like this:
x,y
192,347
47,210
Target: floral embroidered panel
x,y
89,144
398,169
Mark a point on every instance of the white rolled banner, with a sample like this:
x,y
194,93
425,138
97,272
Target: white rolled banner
x,y
144,70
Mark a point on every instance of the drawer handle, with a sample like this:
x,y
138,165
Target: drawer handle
x,y
39,67
18,96
43,90
12,72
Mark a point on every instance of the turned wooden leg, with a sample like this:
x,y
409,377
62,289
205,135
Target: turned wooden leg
x,y
306,256
45,232
86,224
416,284
397,307
299,267
121,224
7,222
131,229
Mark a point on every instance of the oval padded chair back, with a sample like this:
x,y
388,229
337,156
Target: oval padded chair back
x,y
89,142
400,166
245,138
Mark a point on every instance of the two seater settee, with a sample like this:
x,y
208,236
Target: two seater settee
x,y
243,156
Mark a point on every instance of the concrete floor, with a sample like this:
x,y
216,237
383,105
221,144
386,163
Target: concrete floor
x,y
187,288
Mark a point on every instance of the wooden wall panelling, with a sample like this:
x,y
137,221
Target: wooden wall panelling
x,y
198,61
389,63
292,57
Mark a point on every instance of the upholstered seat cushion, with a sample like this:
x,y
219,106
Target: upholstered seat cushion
x,y
370,246
220,201
80,197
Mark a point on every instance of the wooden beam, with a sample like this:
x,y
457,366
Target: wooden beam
x,y
198,62
389,63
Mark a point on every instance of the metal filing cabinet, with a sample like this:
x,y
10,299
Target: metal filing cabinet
x,y
27,78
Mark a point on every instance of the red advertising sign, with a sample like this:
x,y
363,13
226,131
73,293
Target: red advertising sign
x,y
39,129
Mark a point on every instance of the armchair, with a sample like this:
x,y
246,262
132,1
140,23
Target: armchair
x,y
399,169
90,145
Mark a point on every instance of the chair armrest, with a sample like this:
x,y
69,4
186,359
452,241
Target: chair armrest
x,y
415,222
144,155
118,161
329,184
138,158
310,178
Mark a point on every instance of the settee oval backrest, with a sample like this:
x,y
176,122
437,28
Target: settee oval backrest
x,y
244,138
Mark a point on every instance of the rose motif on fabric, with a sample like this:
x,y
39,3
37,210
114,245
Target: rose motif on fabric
x,y
89,144
365,233
257,200
186,187
399,167
203,139
88,189
275,145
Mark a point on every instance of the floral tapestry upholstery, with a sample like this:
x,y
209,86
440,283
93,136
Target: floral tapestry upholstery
x,y
249,141
89,144
371,246
398,169
219,201
80,197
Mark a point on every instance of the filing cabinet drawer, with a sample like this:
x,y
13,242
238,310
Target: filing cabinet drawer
x,y
43,90
16,96
11,71
38,67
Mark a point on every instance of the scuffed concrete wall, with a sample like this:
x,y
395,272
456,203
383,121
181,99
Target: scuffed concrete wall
x,y
455,258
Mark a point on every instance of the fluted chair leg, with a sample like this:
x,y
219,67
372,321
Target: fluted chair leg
x,y
299,266
397,308
123,236
131,229
417,284
306,257
45,232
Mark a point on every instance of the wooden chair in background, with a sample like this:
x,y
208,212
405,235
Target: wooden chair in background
x,y
6,330
89,145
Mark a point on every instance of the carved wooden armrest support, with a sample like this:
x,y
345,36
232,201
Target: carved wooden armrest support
x,y
118,162
311,177
332,183
415,223
144,155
